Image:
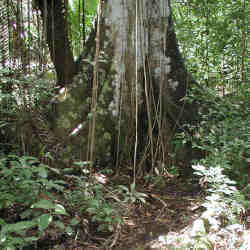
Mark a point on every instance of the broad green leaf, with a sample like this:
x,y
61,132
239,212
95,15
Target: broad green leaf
x,y
42,172
30,239
44,221
74,221
2,222
110,228
50,168
15,241
26,213
142,200
123,188
18,227
3,238
59,209
69,230
59,224
60,182
199,167
28,161
138,194
82,163
3,124
68,170
51,184
49,156
45,204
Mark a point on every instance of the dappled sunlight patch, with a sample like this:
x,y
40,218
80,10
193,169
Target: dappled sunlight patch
x,y
76,130
217,227
129,222
199,236
101,178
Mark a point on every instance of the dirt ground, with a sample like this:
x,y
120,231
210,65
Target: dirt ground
x,y
171,208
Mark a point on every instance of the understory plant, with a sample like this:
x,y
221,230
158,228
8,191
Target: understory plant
x,y
99,203
28,202
91,198
224,136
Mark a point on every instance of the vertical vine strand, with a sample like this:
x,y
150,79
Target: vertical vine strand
x,y
53,28
83,23
147,86
95,84
45,29
29,34
136,89
122,86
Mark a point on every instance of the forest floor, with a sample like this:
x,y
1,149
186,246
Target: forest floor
x,y
171,209
168,208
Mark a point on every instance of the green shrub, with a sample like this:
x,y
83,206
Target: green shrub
x,y
224,136
24,184
91,198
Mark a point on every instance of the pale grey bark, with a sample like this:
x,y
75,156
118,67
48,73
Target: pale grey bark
x,y
138,31
142,80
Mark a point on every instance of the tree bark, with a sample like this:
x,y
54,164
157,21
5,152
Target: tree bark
x,y
53,13
142,83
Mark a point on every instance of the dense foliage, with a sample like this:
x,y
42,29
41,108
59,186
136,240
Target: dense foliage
x,y
213,39
38,198
81,18
215,49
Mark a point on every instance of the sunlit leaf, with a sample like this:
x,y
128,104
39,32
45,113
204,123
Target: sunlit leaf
x,y
42,172
69,230
59,209
199,167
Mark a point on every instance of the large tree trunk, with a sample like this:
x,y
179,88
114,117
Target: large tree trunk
x,y
54,14
142,82
151,79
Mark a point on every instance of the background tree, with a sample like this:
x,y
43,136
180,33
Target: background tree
x,y
217,45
